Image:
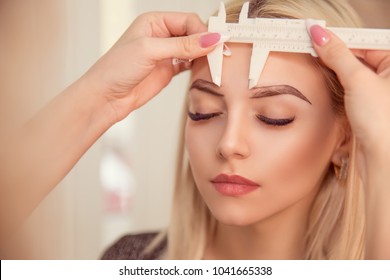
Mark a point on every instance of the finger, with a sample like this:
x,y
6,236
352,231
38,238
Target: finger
x,y
180,24
182,66
335,54
375,58
186,47
154,82
380,60
168,24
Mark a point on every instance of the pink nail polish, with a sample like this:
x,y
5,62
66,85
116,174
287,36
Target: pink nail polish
x,y
209,40
319,35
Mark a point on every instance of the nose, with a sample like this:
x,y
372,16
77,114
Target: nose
x,y
234,142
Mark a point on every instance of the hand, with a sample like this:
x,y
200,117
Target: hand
x,y
367,102
39,154
139,65
367,88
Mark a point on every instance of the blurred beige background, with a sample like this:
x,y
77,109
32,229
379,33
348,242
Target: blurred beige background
x,y
124,182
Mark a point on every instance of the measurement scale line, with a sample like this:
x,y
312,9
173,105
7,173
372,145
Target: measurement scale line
x,y
282,35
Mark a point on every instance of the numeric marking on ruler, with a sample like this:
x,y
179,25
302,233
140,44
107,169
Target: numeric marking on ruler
x,y
281,35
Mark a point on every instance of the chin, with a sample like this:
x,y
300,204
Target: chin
x,y
234,217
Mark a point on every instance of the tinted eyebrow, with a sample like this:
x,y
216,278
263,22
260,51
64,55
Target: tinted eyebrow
x,y
266,91
258,92
206,86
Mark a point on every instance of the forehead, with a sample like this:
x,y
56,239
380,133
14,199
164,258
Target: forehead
x,y
297,70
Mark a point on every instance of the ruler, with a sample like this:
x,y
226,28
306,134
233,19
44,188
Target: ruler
x,y
281,35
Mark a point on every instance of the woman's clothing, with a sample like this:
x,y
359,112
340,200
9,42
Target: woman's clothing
x,y
131,247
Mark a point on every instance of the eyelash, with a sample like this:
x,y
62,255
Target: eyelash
x,y
275,122
202,117
268,121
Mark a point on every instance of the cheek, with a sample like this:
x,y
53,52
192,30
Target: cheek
x,y
200,142
291,168
296,162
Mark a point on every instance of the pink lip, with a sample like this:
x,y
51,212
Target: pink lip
x,y
233,185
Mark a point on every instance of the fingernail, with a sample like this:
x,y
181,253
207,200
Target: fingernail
x,y
224,37
319,35
212,39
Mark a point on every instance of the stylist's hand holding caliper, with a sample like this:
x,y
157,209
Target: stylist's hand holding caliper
x,y
367,102
38,156
140,63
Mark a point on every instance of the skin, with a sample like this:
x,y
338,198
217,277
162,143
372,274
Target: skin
x,y
288,162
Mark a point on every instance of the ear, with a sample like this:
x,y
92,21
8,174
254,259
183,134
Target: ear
x,y
343,144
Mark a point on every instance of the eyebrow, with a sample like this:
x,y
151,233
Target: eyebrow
x,y
205,86
259,92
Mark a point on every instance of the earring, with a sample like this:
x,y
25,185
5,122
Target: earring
x,y
341,172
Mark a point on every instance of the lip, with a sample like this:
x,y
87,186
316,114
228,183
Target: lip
x,y
233,185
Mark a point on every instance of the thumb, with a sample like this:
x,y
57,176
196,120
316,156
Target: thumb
x,y
336,55
186,47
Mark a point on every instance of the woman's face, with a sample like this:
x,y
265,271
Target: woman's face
x,y
256,153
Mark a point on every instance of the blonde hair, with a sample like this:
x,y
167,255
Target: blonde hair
x,y
336,223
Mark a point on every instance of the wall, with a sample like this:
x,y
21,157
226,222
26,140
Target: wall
x,y
45,45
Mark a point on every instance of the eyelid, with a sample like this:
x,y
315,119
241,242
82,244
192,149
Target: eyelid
x,y
199,116
275,122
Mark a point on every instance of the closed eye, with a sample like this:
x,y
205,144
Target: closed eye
x,y
275,122
200,117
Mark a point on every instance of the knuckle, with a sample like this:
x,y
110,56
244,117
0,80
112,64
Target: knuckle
x,y
141,18
195,24
143,44
147,19
194,16
186,46
333,51
146,16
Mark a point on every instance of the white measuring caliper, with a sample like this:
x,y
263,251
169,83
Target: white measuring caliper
x,y
281,35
